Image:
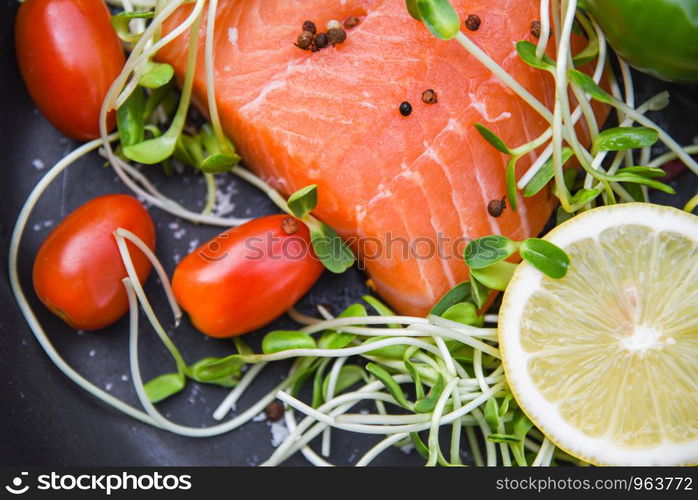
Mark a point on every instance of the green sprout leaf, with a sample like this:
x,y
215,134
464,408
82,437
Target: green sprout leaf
x,y
219,371
640,179
164,386
488,250
492,416
303,201
493,139
219,163
333,252
545,174
496,276
318,394
545,256
156,75
428,403
651,172
121,21
348,375
583,196
527,52
396,352
413,9
457,294
286,340
380,308
439,17
130,118
588,85
390,384
503,438
622,138
478,291
332,339
464,312
511,182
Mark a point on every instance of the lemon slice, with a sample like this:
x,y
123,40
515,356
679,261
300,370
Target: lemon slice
x,y
605,360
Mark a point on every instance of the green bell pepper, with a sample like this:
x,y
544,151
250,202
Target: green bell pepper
x,y
658,37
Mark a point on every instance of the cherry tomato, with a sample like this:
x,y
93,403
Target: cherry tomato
x,y
69,55
247,276
78,269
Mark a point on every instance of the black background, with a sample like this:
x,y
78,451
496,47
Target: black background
x,y
44,418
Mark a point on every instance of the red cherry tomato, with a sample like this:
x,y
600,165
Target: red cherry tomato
x,y
247,276
68,55
78,270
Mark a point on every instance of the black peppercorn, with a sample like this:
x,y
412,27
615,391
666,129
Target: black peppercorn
x,y
351,22
320,42
405,108
496,207
305,40
274,411
429,96
473,22
309,26
336,35
535,28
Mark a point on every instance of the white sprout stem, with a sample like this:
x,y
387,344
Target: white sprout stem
x,y
545,452
232,398
301,318
562,111
139,4
492,318
153,413
211,80
162,274
435,424
335,323
663,136
210,194
380,447
544,28
20,297
331,385
505,77
474,447
490,448
576,115
481,346
307,452
629,92
446,355
386,429
138,56
147,308
348,351
671,155
343,403
272,193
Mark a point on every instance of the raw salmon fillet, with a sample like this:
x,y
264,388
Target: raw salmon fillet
x,y
331,118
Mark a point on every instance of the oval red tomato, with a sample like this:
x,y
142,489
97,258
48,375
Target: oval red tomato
x,y
78,269
69,55
247,276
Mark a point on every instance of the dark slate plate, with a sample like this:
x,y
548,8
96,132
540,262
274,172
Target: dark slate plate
x,y
46,419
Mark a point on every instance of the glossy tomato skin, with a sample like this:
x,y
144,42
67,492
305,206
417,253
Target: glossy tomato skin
x,y
247,276
69,55
78,269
